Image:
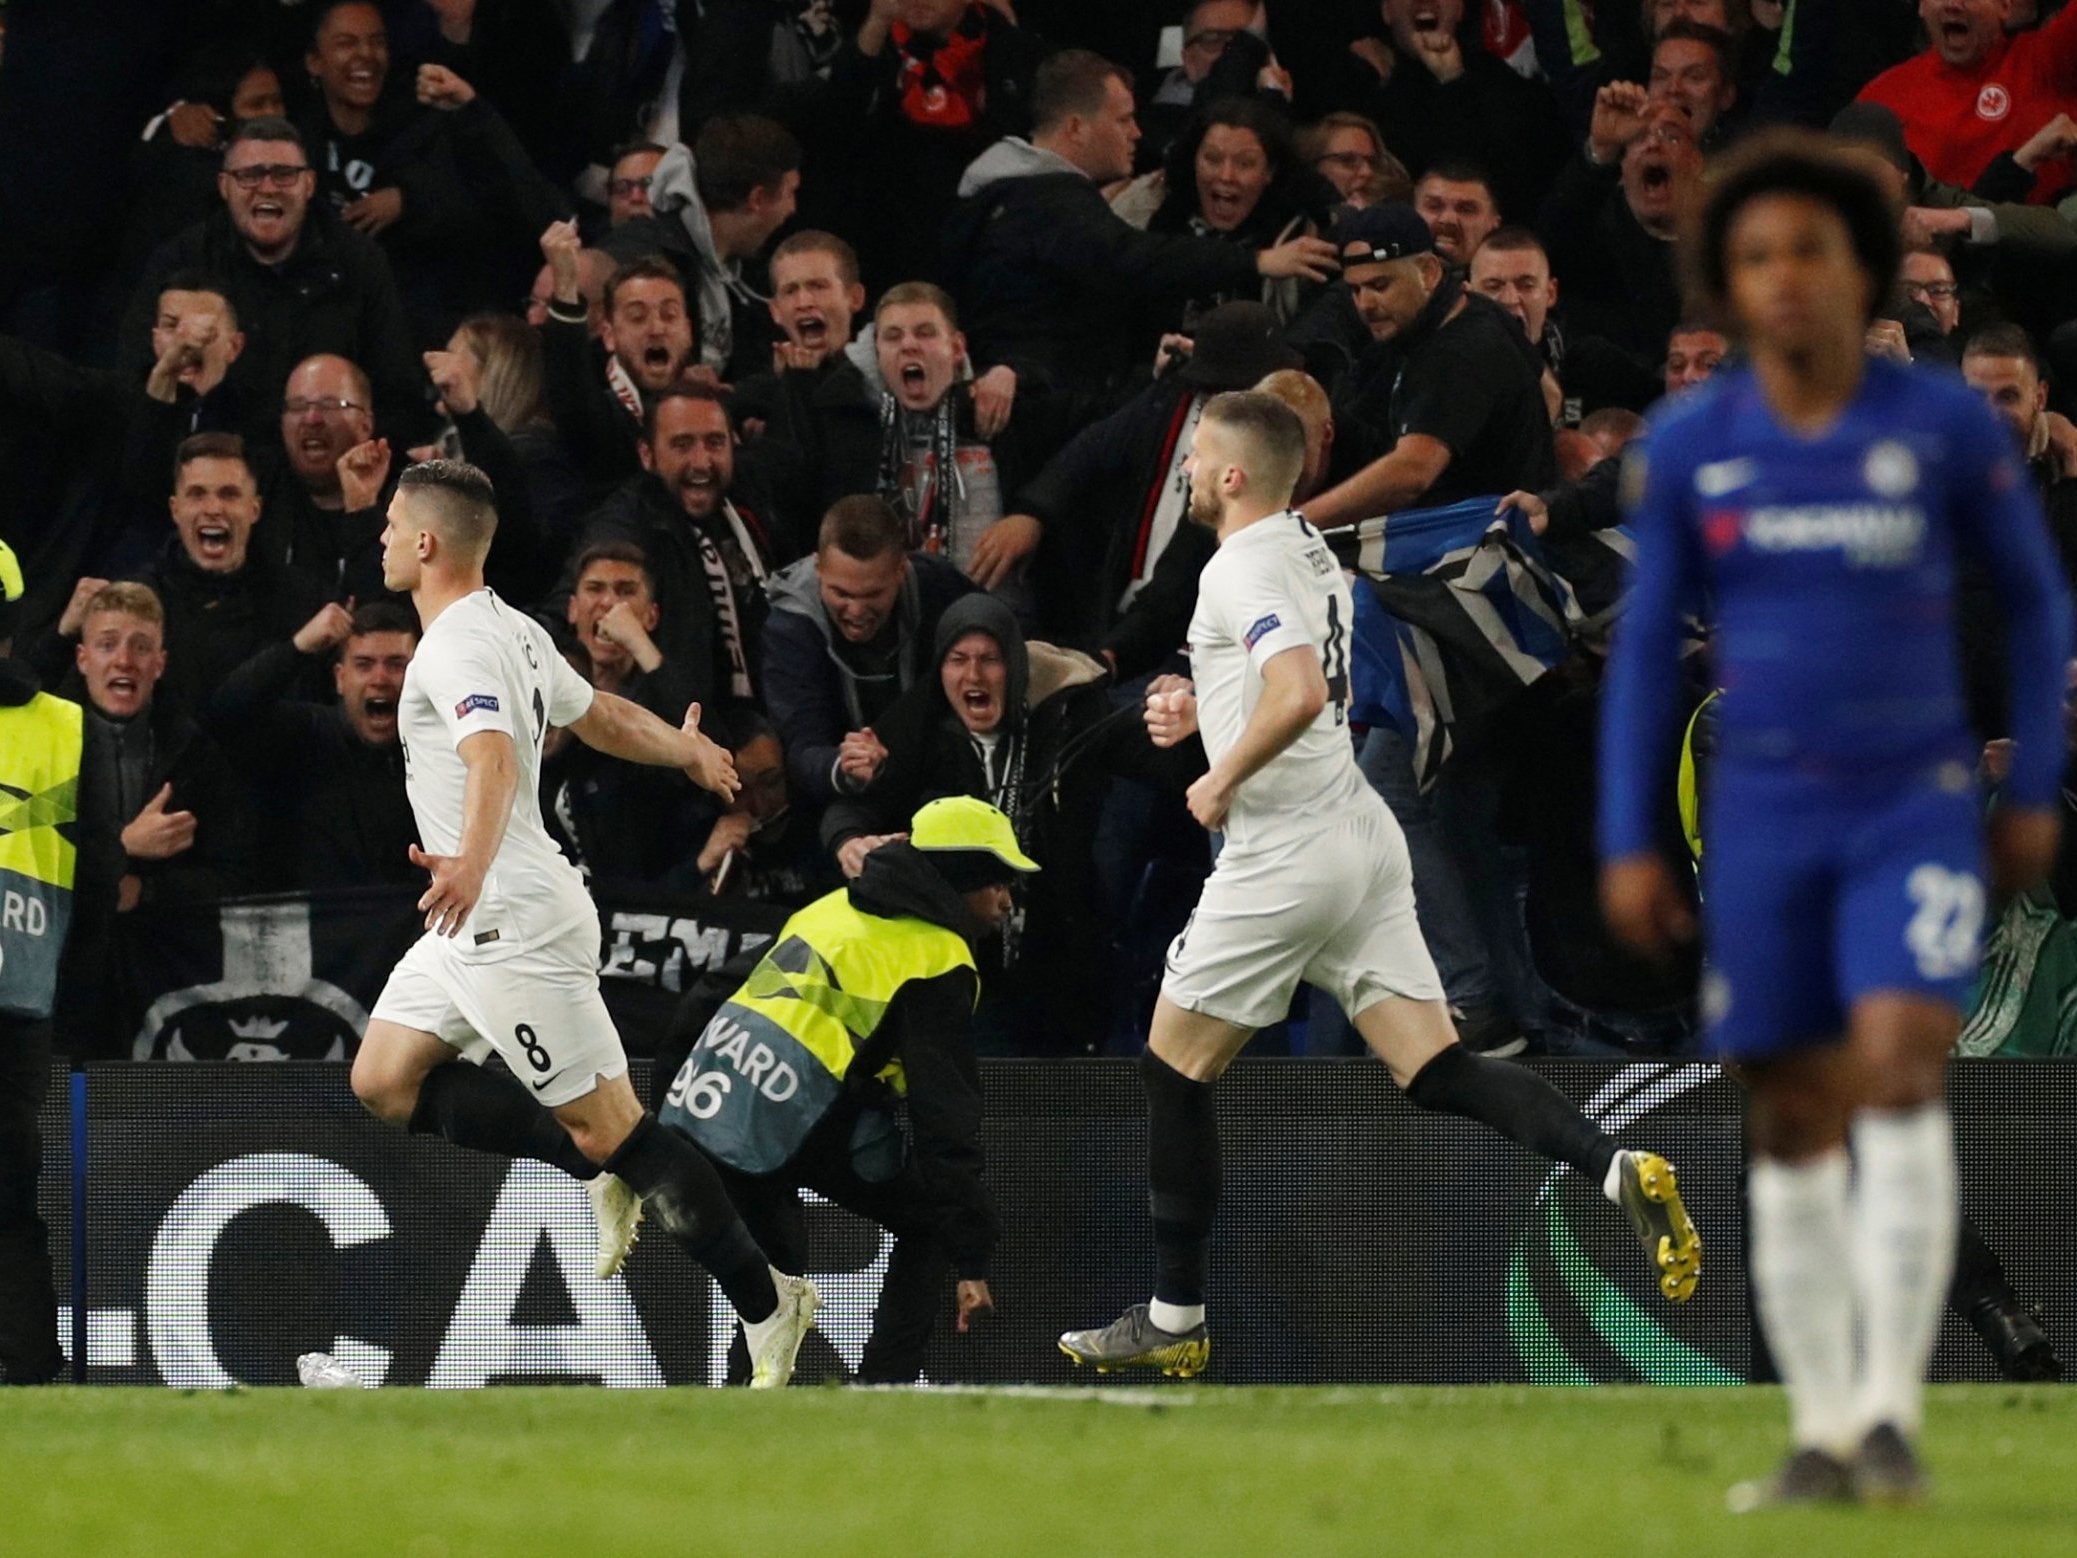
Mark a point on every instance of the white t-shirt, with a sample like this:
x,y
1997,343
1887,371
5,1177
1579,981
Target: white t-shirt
x,y
1269,588
483,666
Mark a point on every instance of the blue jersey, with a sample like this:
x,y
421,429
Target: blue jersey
x,y
1827,565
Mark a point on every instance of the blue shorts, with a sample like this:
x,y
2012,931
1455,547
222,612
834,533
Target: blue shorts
x,y
1814,896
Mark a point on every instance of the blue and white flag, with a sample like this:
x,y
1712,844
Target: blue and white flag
x,y
1461,612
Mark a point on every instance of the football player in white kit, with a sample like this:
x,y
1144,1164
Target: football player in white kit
x,y
1313,884
509,960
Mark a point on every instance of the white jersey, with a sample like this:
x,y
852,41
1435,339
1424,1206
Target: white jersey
x,y
1269,588
483,666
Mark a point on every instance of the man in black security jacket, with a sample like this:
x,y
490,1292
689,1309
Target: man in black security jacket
x,y
1030,729
1450,395
337,815
789,1085
301,280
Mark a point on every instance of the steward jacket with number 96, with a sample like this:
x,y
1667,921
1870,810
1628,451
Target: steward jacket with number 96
x,y
867,988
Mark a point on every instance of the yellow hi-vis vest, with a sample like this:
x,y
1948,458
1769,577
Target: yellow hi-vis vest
x,y
772,1062
40,744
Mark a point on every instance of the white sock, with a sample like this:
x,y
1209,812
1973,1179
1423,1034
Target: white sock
x,y
1612,1181
1175,1318
1806,1295
1905,1218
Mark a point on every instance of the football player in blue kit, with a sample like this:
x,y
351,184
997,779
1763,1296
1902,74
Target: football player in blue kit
x,y
1813,506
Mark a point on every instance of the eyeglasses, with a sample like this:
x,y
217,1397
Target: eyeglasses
x,y
279,174
1212,40
1935,291
323,405
625,187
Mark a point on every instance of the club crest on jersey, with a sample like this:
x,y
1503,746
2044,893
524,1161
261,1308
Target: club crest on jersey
x,y
1891,470
1263,625
1993,102
475,701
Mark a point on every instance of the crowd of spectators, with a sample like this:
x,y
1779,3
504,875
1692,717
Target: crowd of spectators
x,y
836,363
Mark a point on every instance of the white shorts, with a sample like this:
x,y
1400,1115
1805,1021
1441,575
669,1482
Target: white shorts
x,y
540,1009
1333,907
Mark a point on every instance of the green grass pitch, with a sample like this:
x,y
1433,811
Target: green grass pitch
x,y
1176,1471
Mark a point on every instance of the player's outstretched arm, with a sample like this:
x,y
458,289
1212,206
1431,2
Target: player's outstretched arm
x,y
493,779
1294,691
623,729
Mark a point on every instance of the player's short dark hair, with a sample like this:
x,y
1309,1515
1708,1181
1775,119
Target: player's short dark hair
x,y
909,292
211,446
1074,81
1272,431
383,616
269,127
1715,38
2004,341
193,280
464,503
814,241
1793,162
1511,237
616,552
683,389
737,154
863,527
647,267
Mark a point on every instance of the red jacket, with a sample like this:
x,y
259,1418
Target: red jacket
x,y
1956,121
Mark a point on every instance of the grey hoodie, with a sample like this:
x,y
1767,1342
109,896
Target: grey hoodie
x,y
674,191
1012,157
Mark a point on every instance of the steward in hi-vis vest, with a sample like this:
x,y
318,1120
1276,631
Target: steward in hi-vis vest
x,y
856,1017
40,738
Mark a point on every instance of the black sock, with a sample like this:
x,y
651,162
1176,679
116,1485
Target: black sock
x,y
491,1112
1182,1178
1517,1103
1978,1273
680,1189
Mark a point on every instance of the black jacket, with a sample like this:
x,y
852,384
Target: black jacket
x,y
216,622
1096,498
688,631
621,823
173,750
822,428
336,814
334,293
1502,121
925,1028
1055,283
1619,281
1058,750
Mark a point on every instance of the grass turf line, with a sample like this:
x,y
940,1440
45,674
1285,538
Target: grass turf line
x,y
1183,1470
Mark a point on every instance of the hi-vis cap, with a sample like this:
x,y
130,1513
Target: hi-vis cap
x,y
963,824
11,588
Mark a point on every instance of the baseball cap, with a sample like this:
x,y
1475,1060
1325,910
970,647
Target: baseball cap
x,y
12,589
970,842
1390,230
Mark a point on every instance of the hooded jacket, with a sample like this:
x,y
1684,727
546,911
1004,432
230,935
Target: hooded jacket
x,y
815,693
1057,747
735,322
1052,281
